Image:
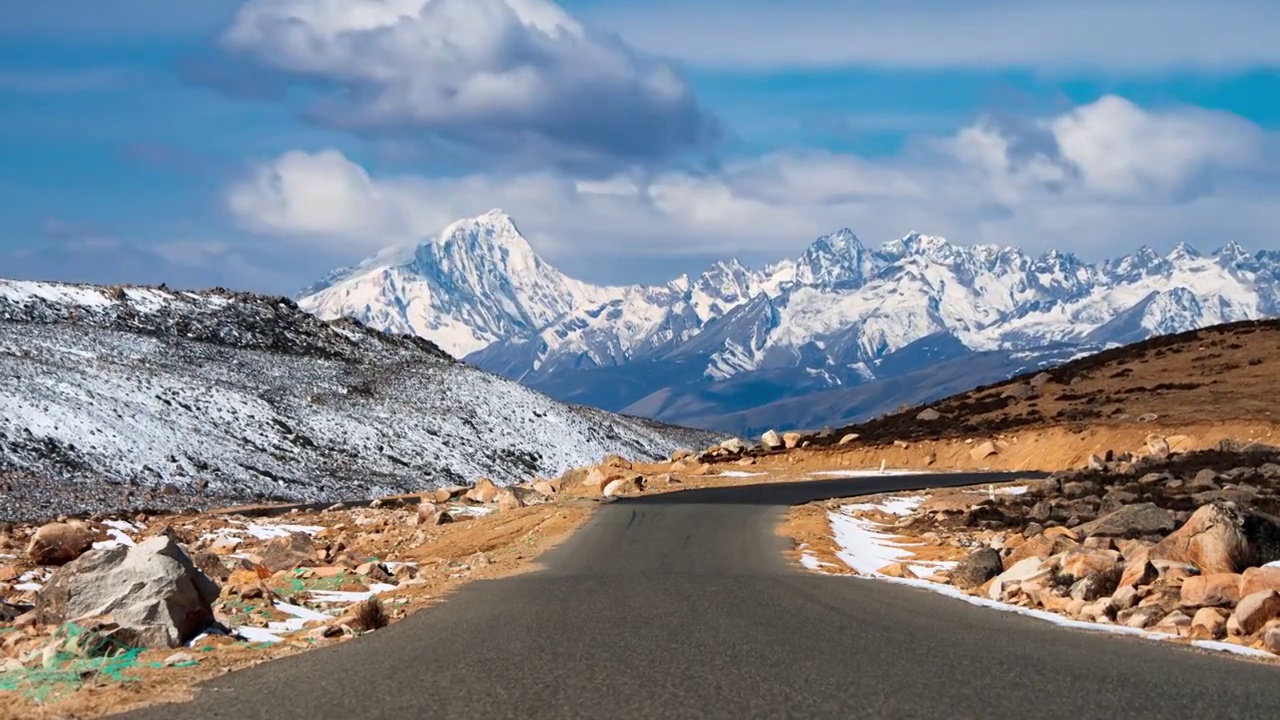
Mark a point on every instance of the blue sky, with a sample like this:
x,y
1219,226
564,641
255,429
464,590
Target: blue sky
x,y
258,143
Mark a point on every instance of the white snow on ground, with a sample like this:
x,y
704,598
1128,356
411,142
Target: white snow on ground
x,y
739,474
472,510
348,596
866,549
269,532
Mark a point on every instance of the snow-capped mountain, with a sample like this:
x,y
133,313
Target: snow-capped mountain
x,y
830,318
113,394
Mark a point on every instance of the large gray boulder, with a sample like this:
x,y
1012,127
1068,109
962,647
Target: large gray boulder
x,y
153,592
1130,521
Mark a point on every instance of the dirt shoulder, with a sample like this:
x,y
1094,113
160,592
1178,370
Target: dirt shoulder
x,y
330,560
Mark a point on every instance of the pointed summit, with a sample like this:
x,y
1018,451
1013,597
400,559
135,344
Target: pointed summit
x,y
1183,251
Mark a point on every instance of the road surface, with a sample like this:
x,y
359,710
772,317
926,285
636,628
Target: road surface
x,y
682,606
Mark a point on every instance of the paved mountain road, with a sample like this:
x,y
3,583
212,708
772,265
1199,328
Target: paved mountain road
x,y
682,606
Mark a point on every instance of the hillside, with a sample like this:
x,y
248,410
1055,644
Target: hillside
x,y
146,397
1219,374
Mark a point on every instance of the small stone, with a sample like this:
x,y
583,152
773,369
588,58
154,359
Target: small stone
x,y
179,659
979,567
1212,620
59,543
771,440
850,438
928,415
791,440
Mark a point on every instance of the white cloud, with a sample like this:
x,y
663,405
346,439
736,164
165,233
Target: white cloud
x,y
508,75
1100,178
1063,35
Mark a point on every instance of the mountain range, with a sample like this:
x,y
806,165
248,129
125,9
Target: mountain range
x,y
839,333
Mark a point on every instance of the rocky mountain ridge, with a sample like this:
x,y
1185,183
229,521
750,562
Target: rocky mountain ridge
x,y
833,318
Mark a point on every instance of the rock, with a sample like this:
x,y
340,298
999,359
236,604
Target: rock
x,y
288,553
616,461
1095,462
747,461
1212,622
181,658
59,543
1215,590
1042,546
771,440
1040,380
791,440
1148,417
665,479
152,591
901,444
1138,570
1118,500
1140,617
979,567
431,514
1157,446
983,451
928,415
1131,521
1083,563
1028,569
621,486
1271,640
1212,540
1125,598
1079,489
484,491
733,445
545,488
1020,391
1257,579
1092,587
898,570
1204,480
509,500
850,438
681,454
1254,611
1175,623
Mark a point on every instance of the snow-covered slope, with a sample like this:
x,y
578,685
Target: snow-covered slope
x,y
834,312
110,394
480,283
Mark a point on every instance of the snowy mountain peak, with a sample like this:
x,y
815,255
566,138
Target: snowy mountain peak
x,y
1183,251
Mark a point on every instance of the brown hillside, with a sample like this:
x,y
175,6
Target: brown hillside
x,y
1223,373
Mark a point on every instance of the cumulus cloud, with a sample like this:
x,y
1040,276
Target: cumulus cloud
x,y
1056,35
1100,178
512,75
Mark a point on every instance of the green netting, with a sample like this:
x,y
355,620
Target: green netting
x,y
83,656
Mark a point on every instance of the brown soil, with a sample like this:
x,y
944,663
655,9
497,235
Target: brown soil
x,y
1224,374
448,558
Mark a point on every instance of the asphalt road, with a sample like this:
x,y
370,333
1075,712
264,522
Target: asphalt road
x,y
682,606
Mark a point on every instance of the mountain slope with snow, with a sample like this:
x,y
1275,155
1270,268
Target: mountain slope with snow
x,y
828,319
127,397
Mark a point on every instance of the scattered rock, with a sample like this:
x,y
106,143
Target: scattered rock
x,y
1157,446
850,438
616,461
1271,640
983,451
1212,540
903,444
979,567
431,514
1021,391
791,440
288,553
928,415
152,591
771,440
59,543
1214,590
1131,521
622,486
1041,380
545,488
1212,622
681,454
733,445
1257,579
484,491
1027,569
1254,611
